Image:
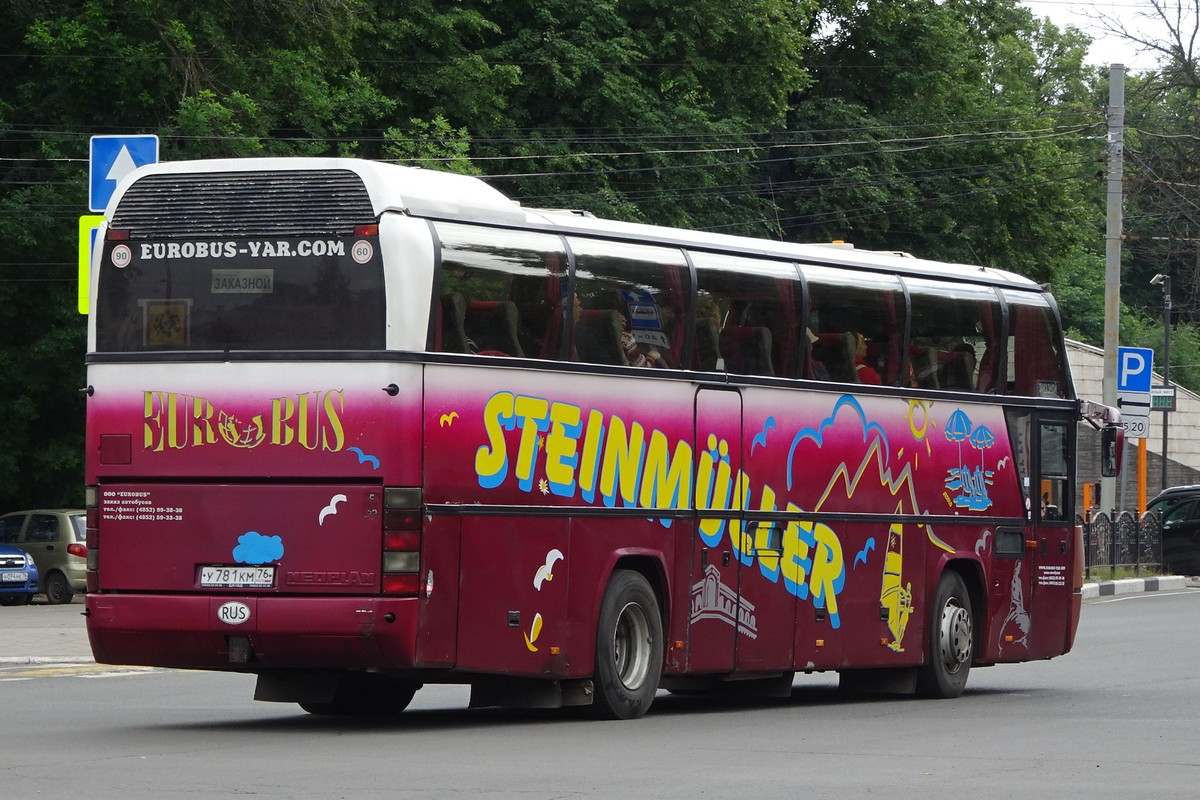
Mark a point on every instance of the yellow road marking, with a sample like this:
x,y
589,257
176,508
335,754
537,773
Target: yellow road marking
x,y
62,670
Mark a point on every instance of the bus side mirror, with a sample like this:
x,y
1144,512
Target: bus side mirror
x,y
1112,448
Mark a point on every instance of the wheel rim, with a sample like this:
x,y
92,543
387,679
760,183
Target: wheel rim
x,y
955,644
631,645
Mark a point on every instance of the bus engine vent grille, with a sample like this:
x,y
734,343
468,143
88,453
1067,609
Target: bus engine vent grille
x,y
242,204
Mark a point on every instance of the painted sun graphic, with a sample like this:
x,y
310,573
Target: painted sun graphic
x,y
919,408
543,487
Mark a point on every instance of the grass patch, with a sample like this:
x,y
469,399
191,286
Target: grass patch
x,y
1117,573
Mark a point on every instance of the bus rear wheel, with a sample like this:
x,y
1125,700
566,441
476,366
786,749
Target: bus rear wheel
x,y
629,648
951,640
366,695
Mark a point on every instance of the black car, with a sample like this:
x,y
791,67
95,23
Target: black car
x,y
1178,509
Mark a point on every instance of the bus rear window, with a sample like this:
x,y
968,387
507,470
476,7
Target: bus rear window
x,y
318,293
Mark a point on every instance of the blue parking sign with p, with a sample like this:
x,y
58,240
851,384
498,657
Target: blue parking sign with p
x,y
1134,368
112,158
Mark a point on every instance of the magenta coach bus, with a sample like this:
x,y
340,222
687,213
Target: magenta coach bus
x,y
356,427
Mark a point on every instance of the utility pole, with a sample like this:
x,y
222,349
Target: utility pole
x,y
1112,254
1165,282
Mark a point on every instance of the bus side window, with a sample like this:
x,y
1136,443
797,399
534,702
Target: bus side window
x,y
747,349
1020,435
757,323
833,357
631,302
1036,364
452,325
539,304
1057,469
598,337
844,306
492,326
955,335
499,292
706,350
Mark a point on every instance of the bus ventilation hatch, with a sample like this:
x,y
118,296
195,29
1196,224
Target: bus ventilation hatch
x,y
233,204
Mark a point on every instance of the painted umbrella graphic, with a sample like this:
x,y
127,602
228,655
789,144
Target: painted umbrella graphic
x,y
982,438
958,428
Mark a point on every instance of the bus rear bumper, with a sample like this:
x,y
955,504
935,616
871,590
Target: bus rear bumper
x,y
197,631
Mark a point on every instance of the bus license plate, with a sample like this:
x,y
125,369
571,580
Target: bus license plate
x,y
237,577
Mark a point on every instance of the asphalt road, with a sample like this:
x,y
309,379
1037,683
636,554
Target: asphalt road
x,y
1113,719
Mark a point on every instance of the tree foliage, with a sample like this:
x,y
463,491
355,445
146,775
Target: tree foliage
x,y
1162,185
964,131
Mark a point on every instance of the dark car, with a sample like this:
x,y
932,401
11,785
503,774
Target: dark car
x,y
18,576
1178,509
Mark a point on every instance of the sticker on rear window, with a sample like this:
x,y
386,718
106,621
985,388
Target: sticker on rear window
x,y
243,281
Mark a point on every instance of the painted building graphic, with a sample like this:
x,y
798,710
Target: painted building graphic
x,y
712,599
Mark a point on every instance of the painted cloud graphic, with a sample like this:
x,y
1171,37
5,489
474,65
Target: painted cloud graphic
x,y
254,548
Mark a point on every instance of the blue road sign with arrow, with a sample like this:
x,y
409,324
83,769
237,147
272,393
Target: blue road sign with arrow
x,y
112,158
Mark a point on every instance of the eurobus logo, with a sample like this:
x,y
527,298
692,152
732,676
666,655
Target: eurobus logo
x,y
312,420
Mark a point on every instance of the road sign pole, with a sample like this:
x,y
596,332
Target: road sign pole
x,y
1141,468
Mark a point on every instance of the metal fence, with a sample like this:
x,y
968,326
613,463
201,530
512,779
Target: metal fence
x,y
1122,541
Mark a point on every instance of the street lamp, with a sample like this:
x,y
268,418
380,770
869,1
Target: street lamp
x,y
1165,282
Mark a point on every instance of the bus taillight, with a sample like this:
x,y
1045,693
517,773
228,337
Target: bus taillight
x,y
366,230
91,503
401,540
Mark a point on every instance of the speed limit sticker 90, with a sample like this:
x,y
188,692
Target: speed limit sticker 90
x,y
121,256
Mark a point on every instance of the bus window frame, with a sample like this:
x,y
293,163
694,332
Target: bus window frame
x,y
829,275
772,270
529,248
965,295
1066,505
807,272
1044,301
686,296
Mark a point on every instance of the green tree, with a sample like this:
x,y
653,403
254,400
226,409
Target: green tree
x,y
959,131
649,111
1162,186
962,131
212,79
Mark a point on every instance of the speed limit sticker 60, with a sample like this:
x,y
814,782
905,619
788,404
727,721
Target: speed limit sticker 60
x,y
361,251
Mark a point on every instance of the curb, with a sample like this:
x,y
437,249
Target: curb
x,y
1134,586
24,660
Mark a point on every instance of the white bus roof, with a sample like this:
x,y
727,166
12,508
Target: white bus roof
x,y
444,195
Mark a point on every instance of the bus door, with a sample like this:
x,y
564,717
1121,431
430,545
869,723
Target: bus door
x,y
767,625
1053,537
1011,568
714,611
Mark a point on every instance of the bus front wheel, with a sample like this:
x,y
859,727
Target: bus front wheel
x,y
629,648
951,640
